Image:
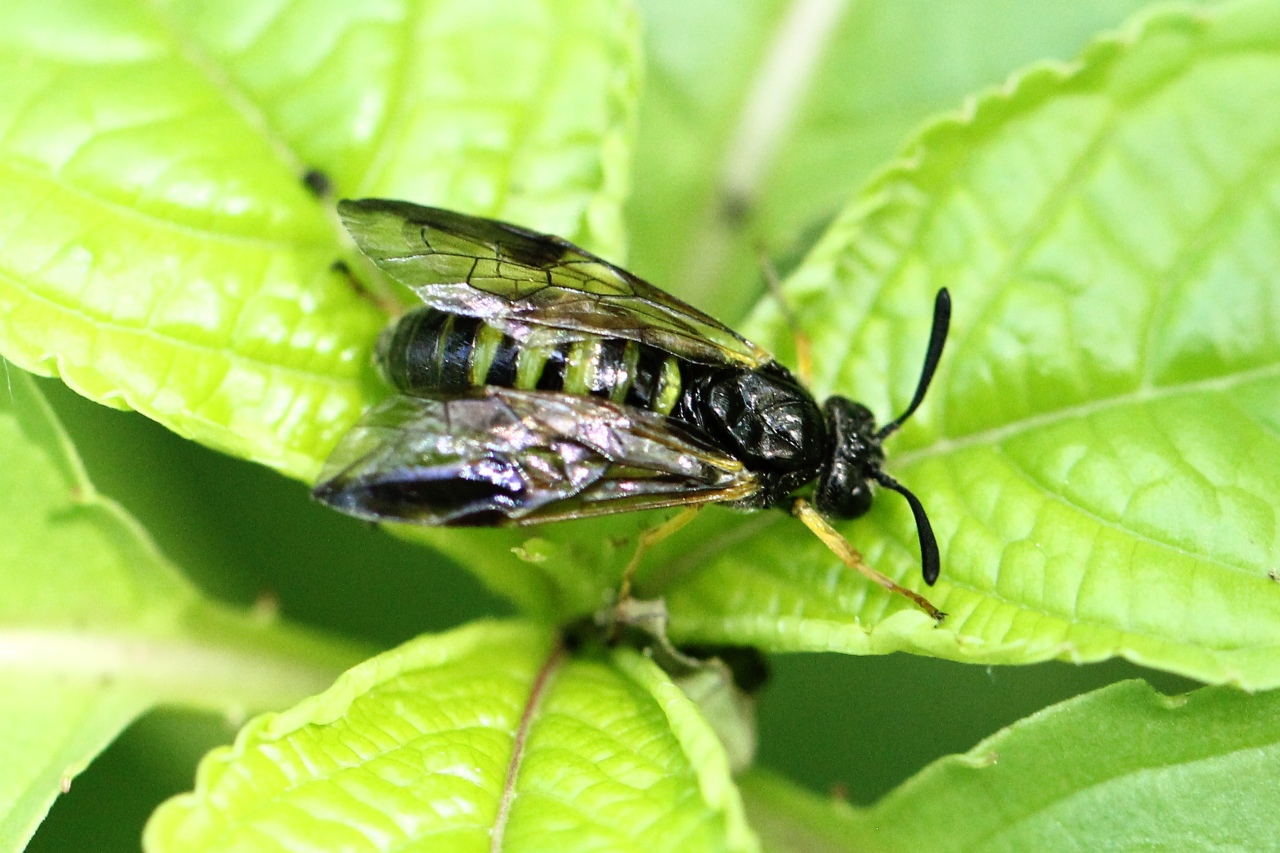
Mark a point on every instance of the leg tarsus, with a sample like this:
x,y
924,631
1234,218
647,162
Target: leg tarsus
x,y
840,546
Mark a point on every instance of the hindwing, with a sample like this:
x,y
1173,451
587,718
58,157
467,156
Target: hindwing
x,y
505,456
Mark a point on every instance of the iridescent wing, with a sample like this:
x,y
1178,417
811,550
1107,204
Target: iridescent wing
x,y
503,456
535,287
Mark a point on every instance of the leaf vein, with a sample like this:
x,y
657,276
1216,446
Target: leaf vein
x,y
1206,237
1003,432
177,343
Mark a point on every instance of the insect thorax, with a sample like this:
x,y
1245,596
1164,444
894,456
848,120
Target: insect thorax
x,y
429,351
762,417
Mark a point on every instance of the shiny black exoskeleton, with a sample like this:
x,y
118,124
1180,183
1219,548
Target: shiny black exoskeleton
x,y
767,420
537,382
763,418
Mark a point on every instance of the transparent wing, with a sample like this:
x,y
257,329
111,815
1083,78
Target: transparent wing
x,y
505,456
524,282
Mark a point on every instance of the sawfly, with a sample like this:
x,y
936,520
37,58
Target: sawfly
x,y
538,382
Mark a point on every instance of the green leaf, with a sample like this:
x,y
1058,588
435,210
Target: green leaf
x,y
488,737
58,728
158,248
1122,768
734,152
1098,454
792,819
95,626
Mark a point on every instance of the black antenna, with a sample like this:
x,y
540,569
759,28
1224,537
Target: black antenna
x,y
930,562
937,337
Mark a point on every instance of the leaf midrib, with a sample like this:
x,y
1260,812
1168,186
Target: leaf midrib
x,y
1140,395
239,101
167,668
232,356
537,693
158,222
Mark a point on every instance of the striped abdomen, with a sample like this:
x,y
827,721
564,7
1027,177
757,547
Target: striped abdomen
x,y
430,351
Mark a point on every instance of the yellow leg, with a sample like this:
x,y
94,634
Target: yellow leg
x,y
804,350
830,537
652,537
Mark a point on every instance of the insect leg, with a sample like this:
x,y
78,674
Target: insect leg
x,y
652,537
617,619
804,351
840,546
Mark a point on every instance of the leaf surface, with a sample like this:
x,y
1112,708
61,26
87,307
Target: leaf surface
x,y
1099,452
158,247
737,149
1099,455
96,627
489,737
1121,768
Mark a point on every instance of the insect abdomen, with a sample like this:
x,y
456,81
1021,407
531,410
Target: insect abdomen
x,y
431,351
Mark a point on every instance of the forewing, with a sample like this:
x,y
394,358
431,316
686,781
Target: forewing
x,y
518,457
523,282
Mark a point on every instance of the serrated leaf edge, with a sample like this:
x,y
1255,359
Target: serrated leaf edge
x,y
698,742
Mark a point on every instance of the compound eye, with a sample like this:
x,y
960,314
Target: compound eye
x,y
842,491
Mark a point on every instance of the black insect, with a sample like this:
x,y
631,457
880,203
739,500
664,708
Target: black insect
x,y
539,383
